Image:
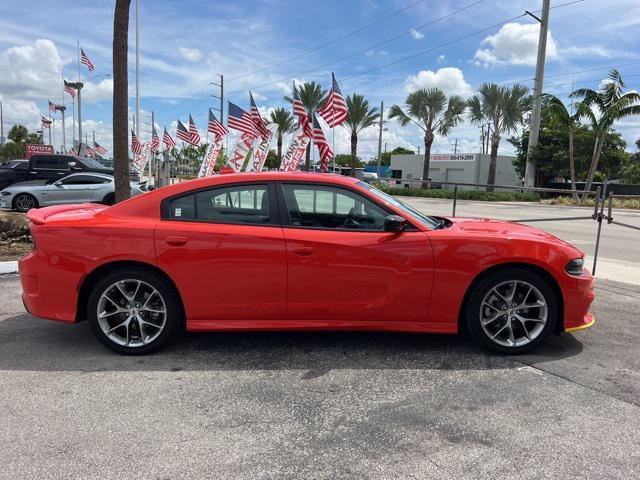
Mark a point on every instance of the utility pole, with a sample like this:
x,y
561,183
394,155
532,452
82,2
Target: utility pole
x,y
534,127
455,147
380,136
137,124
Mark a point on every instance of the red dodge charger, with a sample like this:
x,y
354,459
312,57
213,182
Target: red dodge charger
x,y
270,251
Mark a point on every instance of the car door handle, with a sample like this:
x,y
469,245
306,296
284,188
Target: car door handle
x,y
304,251
177,241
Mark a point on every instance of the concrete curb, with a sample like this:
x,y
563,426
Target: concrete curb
x,y
8,267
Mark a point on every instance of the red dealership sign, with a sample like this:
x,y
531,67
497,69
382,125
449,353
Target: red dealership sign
x,y
36,149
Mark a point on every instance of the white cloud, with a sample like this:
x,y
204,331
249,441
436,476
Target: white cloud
x,y
190,54
416,34
258,97
31,71
449,79
514,44
441,58
97,92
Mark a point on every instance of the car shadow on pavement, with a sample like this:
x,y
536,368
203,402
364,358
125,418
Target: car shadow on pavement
x,y
27,343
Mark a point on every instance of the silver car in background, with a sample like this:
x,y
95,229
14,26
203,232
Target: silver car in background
x,y
75,188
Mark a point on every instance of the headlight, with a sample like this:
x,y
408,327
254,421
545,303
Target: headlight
x,y
574,267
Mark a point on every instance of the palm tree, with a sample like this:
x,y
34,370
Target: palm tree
x,y
504,108
283,118
602,108
121,100
434,113
360,117
558,114
312,95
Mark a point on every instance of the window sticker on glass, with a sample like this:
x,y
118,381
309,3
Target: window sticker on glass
x,y
178,212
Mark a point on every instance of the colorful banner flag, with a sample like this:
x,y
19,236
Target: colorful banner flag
x,y
140,160
262,150
209,162
240,151
295,152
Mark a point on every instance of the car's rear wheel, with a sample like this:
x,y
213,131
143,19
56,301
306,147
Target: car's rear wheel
x,y
134,311
23,202
109,199
511,311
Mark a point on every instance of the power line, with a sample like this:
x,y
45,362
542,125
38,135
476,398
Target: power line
x,y
331,42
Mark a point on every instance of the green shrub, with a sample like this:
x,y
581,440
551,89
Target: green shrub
x,y
462,194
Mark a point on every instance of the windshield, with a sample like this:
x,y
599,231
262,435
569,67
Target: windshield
x,y
425,219
91,163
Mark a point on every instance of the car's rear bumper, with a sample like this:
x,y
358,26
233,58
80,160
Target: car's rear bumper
x,y
47,292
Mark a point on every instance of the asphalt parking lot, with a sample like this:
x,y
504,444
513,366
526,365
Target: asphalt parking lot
x,y
329,405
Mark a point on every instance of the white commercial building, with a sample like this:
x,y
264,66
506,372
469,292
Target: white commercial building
x,y
406,170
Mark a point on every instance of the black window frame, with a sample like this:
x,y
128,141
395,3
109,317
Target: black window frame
x,y
165,205
34,162
286,218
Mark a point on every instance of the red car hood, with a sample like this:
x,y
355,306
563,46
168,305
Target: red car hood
x,y
502,229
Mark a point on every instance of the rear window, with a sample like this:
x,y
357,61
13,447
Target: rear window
x,y
51,162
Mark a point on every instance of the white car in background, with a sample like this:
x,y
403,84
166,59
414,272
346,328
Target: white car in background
x,y
75,188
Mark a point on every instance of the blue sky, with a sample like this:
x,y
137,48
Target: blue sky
x,y
265,45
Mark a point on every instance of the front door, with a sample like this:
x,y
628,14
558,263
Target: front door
x,y
343,266
224,248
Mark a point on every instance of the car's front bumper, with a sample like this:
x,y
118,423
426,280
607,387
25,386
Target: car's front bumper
x,y
578,297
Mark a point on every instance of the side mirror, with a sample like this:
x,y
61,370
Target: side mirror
x,y
72,164
58,184
394,223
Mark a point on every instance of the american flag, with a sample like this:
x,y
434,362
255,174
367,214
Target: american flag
x,y
240,120
256,118
89,152
136,146
216,127
99,149
85,60
182,133
46,123
155,141
52,106
334,109
70,88
323,146
301,112
167,140
194,135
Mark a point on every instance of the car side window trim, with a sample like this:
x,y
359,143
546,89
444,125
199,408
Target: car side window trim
x,y
286,218
274,211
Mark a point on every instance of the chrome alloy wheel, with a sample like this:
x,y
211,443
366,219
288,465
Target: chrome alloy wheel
x,y
513,313
131,313
25,202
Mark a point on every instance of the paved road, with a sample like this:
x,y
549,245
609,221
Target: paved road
x,y
331,405
619,256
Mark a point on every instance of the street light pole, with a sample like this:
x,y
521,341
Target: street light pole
x,y
79,86
61,109
534,126
380,137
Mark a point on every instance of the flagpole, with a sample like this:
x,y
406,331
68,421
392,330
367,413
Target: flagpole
x,y
333,134
138,68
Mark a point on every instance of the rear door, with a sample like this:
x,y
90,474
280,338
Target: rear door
x,y
49,167
343,266
77,189
224,248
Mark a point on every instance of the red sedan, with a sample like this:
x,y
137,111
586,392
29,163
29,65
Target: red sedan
x,y
270,251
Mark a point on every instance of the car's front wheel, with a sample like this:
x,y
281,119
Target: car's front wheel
x,y
23,202
511,311
134,311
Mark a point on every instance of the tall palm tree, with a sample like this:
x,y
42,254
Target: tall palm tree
x,y
602,108
121,100
360,117
504,108
559,115
434,113
312,95
285,121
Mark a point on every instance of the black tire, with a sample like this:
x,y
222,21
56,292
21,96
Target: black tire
x,y
109,199
173,312
473,310
23,202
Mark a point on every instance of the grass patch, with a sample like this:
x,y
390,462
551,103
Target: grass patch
x,y
462,194
631,203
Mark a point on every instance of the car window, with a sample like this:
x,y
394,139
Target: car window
x,y
241,204
84,180
325,206
51,162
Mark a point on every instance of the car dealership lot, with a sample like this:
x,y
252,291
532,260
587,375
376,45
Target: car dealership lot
x,y
329,405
